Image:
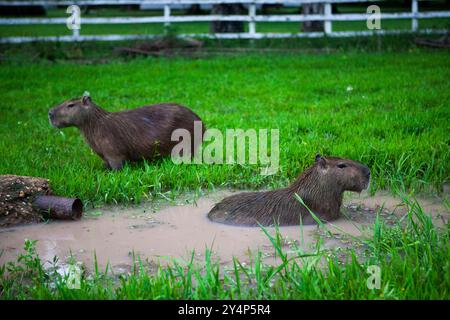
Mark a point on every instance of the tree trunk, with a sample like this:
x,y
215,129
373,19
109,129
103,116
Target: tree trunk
x,y
23,10
227,26
266,8
194,9
313,26
16,196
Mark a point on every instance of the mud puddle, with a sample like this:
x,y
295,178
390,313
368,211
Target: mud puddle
x,y
115,235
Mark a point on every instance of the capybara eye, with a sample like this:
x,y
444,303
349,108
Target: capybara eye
x,y
341,165
71,105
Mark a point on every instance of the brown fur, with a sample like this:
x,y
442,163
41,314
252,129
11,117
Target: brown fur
x,y
321,187
130,135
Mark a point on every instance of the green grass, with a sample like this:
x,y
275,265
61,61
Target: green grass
x,y
413,257
395,119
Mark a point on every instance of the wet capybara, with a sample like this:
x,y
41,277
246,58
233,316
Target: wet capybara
x,y
130,135
321,188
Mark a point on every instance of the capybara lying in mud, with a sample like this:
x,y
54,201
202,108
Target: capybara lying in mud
x,y
321,187
130,135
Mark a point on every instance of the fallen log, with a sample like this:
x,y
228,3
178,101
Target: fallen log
x,y
25,200
443,42
165,46
138,51
59,207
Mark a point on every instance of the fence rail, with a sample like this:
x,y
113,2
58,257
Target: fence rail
x,y
166,2
251,18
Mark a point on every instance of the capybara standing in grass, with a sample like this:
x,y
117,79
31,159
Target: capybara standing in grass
x,y
130,135
320,187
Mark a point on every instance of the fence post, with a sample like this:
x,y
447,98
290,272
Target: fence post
x,y
75,34
252,24
328,26
414,10
166,15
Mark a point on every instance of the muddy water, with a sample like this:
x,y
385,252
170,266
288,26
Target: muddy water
x,y
116,234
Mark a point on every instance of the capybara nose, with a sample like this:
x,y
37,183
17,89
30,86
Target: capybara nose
x,y
367,172
50,114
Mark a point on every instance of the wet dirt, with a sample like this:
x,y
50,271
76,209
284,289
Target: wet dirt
x,y
116,235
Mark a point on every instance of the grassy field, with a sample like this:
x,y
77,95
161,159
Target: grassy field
x,y
388,109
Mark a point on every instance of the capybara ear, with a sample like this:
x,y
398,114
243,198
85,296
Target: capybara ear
x,y
318,157
86,99
320,160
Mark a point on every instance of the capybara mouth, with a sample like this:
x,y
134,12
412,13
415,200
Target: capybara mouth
x,y
54,123
55,119
364,186
50,120
367,179
367,184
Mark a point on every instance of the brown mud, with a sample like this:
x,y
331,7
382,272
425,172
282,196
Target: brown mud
x,y
116,234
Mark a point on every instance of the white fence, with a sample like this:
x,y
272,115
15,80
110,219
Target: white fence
x,y
251,18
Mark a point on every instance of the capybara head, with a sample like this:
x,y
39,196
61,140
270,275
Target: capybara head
x,y
347,175
73,112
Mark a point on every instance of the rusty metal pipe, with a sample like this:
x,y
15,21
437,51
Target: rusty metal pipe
x,y
59,207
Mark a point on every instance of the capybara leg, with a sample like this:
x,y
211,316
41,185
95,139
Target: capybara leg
x,y
116,164
106,164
